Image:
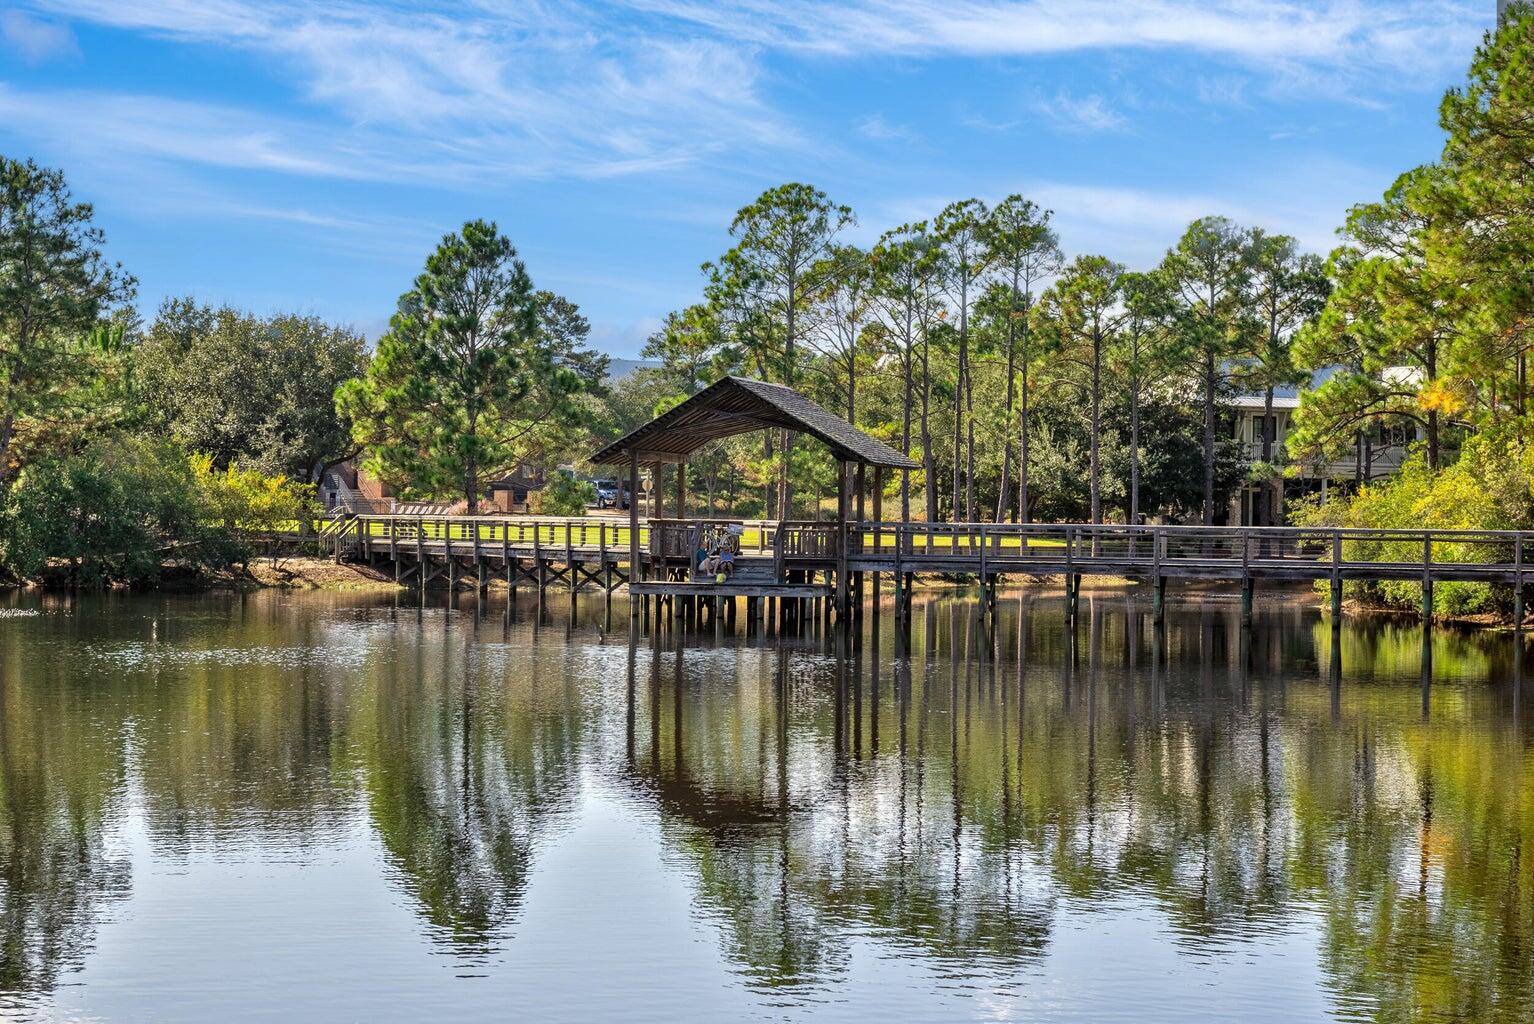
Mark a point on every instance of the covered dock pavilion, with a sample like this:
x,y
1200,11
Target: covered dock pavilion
x,y
740,405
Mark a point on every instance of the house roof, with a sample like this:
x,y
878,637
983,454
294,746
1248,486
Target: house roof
x,y
739,405
1285,396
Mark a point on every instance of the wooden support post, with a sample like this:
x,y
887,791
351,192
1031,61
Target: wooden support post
x,y
538,566
862,518
480,582
570,576
607,568
1157,580
1246,578
1337,576
681,490
1518,583
1070,572
878,521
634,576
841,537
1427,577
984,576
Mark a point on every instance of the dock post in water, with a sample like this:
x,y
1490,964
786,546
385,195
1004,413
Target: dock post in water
x,y
1337,576
633,529
1072,581
1427,578
842,604
860,510
1246,578
1518,582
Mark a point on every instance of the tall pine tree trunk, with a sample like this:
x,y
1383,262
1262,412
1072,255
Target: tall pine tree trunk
x,y
905,430
928,464
958,437
1022,445
1096,438
969,471
1134,449
1006,439
1269,428
1209,386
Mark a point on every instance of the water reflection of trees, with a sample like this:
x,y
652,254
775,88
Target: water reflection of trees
x,y
465,759
212,725
61,782
947,797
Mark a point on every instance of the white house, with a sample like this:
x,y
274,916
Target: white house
x,y
1377,454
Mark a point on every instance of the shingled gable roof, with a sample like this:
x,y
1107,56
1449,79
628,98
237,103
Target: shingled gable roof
x,y
738,405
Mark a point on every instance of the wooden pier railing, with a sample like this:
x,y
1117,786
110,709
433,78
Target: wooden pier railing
x,y
579,548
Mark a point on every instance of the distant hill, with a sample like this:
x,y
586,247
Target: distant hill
x,y
617,369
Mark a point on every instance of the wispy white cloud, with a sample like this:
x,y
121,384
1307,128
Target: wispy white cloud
x,y
1392,34
1071,113
881,129
34,39
472,93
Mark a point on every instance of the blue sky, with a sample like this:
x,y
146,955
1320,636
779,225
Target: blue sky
x,y
287,155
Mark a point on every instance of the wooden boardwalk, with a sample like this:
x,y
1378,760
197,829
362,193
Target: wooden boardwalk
x,y
595,553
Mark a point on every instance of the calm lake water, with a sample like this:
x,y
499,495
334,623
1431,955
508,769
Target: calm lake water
x,y
332,808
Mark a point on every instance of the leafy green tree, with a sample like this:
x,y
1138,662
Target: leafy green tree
x,y
691,348
468,380
1389,323
1079,318
847,279
1288,290
1024,251
769,278
1145,355
248,500
1210,269
54,289
118,512
906,302
564,332
1484,194
258,391
961,229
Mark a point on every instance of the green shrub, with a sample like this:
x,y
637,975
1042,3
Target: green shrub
x,y
251,501
566,495
1490,487
124,511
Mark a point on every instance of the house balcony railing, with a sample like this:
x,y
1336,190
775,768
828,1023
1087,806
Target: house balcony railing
x,y
1383,460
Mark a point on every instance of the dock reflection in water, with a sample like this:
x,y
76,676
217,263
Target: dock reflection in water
x,y
323,807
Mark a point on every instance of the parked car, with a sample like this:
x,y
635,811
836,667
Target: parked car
x,y
611,494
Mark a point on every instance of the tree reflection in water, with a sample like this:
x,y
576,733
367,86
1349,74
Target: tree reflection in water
x,y
952,795
1221,777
